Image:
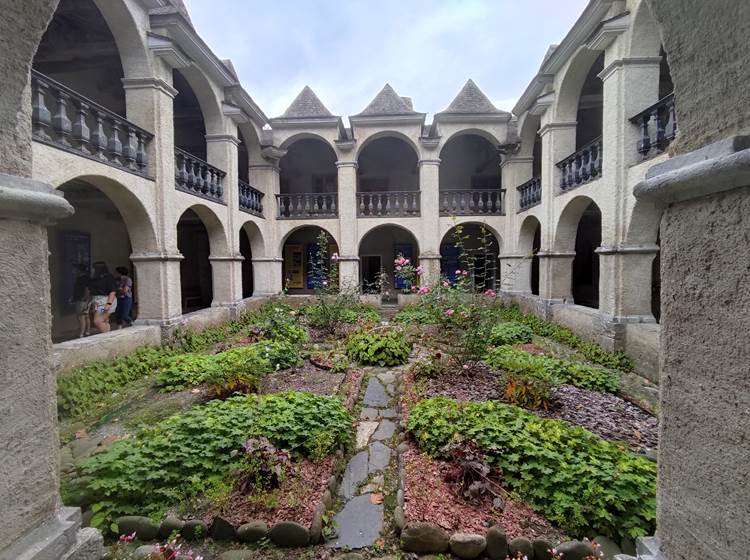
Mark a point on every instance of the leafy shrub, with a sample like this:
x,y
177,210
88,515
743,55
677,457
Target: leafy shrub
x,y
569,475
236,370
430,366
416,314
528,391
277,320
183,371
518,361
335,360
381,348
280,353
190,453
263,465
82,390
510,333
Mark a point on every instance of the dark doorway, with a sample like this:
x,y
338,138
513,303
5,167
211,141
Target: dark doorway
x,y
536,247
247,265
586,261
372,266
196,279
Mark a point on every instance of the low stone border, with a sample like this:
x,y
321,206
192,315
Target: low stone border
x,y
430,538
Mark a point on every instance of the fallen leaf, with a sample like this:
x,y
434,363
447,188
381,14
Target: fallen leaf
x,y
376,499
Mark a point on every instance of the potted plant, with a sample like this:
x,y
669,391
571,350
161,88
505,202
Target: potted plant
x,y
407,279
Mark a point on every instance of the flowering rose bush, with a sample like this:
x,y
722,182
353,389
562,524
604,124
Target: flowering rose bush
x,y
407,273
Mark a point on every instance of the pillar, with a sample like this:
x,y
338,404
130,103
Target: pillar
x,y
515,273
625,282
349,278
556,275
158,287
267,273
267,268
35,526
429,242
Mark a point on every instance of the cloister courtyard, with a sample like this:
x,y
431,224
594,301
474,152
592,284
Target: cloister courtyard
x,y
395,334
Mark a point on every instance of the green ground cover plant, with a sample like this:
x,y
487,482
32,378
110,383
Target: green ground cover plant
x,y
190,453
378,347
513,360
84,390
510,333
571,476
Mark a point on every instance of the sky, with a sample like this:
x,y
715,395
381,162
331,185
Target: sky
x,y
346,50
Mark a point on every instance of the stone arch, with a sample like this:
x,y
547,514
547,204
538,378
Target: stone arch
x,y
645,38
569,92
470,161
217,235
379,246
565,230
109,226
251,245
387,162
208,98
480,254
477,131
298,248
529,245
288,142
388,134
140,224
131,42
308,166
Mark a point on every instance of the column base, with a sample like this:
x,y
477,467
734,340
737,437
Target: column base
x,y
60,538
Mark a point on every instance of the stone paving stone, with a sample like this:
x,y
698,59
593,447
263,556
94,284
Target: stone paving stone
x,y
369,414
364,431
380,456
354,474
388,413
388,377
358,524
375,395
385,430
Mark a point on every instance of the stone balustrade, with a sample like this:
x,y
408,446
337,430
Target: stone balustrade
x,y
388,203
582,166
197,177
251,199
65,119
658,125
529,193
472,202
307,205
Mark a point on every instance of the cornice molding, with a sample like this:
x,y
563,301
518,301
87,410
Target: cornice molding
x,y
149,83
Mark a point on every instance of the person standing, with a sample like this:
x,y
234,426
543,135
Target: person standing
x,y
82,299
103,296
124,297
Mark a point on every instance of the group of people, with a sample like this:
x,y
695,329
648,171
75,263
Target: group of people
x,y
99,294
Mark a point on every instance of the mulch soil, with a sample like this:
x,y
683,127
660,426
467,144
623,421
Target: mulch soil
x,y
306,377
429,498
294,500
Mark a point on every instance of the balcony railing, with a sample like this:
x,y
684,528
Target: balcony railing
x,y
658,126
307,205
472,202
529,193
80,126
195,176
251,199
388,203
582,166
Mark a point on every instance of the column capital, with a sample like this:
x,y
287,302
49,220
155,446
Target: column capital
x,y
348,258
26,199
628,249
154,257
231,138
549,127
422,162
556,254
149,83
430,256
264,167
637,61
226,258
341,164
266,259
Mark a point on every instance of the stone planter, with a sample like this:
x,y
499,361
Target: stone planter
x,y
407,299
371,299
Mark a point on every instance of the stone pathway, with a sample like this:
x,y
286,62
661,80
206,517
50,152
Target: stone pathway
x,y
360,521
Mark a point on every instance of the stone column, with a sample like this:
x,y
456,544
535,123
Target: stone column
x,y
515,273
555,276
267,269
348,226
703,497
515,270
34,524
625,282
149,103
429,243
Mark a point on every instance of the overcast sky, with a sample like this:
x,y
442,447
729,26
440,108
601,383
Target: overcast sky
x,y
346,50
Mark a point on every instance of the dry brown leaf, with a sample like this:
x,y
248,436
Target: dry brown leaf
x,y
376,499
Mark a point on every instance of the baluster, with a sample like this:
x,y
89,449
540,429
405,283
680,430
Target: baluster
x,y
40,115
593,170
114,147
444,201
378,204
98,137
317,206
644,146
201,177
585,160
190,182
81,132
672,119
387,208
571,172
564,176
661,141
361,204
577,172
129,149
141,156
61,122
219,185
413,203
370,207
482,205
182,175
599,158
334,198
212,177
306,208
397,205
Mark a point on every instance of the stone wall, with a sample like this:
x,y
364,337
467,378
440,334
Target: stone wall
x,y
704,490
706,45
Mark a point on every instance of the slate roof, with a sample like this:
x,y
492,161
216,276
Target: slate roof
x,y
306,106
388,102
471,100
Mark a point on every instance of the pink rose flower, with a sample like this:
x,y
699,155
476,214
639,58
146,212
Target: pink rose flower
x,y
446,284
424,290
449,312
